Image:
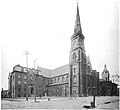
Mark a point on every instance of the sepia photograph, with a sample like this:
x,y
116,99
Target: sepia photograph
x,y
59,54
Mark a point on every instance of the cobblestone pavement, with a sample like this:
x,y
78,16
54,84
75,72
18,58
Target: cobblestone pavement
x,y
110,103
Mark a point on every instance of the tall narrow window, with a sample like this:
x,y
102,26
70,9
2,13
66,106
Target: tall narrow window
x,y
19,82
13,89
19,89
13,76
74,79
58,79
74,70
24,89
88,70
25,82
74,57
54,80
67,78
63,78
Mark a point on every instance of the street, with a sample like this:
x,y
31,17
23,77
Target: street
x,y
106,102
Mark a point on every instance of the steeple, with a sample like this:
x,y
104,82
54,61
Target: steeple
x,y
105,67
77,27
105,74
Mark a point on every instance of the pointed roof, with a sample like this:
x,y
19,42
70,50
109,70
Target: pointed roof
x,y
89,62
77,27
105,67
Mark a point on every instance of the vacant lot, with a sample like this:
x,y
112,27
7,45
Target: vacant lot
x,y
106,102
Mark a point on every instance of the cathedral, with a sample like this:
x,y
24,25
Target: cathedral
x,y
76,79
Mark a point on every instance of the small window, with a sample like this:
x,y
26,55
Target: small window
x,y
63,78
25,82
19,82
13,89
55,80
74,79
74,57
74,91
13,76
31,78
67,78
58,79
19,76
51,81
25,77
24,89
74,70
19,89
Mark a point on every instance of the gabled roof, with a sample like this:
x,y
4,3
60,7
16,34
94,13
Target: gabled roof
x,y
89,62
45,72
60,70
55,72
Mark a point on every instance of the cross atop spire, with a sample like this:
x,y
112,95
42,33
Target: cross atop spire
x,y
77,27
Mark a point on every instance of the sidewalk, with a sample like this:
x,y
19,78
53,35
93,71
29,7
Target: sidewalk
x,y
110,103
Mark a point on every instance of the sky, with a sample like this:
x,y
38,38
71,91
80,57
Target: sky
x,y
44,28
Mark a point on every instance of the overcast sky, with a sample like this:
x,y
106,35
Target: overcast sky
x,y
44,28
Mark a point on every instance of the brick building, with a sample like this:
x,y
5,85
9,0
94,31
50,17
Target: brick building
x,y
4,93
107,88
74,79
21,83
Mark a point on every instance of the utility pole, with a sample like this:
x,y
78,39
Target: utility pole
x,y
34,62
34,81
27,53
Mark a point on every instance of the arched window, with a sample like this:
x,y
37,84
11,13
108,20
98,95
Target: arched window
x,y
19,82
74,57
74,79
19,89
54,80
88,70
32,90
24,89
63,78
58,79
82,57
74,70
67,78
25,77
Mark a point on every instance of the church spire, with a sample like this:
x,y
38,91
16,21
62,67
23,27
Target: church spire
x,y
77,27
105,67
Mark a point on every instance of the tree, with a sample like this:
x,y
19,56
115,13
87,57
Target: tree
x,y
116,79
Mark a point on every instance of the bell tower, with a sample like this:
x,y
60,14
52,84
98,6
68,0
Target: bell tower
x,y
77,61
